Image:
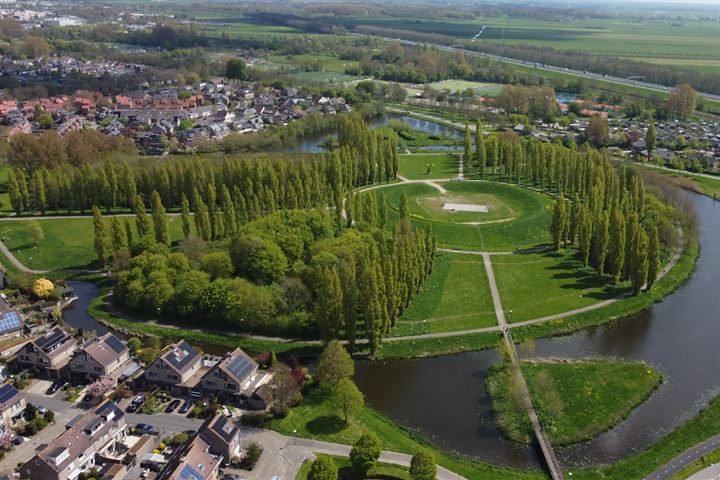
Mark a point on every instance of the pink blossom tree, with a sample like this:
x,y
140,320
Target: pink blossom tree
x,y
100,387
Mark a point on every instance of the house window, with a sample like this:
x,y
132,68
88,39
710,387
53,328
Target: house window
x,y
229,386
97,369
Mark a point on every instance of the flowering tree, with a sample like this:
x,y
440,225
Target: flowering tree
x,y
6,440
100,387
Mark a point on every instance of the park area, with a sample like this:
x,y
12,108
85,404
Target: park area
x,y
67,243
516,218
536,285
428,166
455,296
575,400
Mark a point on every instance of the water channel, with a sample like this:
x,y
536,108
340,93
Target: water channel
x,y
445,400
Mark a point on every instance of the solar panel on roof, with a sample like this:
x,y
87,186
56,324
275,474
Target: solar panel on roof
x,y
241,366
115,344
9,321
7,391
189,473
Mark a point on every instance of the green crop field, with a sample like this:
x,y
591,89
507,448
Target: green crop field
x,y
536,285
414,166
575,401
455,296
67,243
526,226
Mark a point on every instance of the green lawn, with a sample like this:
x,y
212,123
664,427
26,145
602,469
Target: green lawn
x,y
386,471
530,213
486,89
575,401
314,418
455,296
536,285
68,243
414,166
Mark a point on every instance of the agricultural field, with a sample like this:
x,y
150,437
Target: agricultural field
x,y
67,243
521,218
575,401
415,166
536,285
485,89
455,296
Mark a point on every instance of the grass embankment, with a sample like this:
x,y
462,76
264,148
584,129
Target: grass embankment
x,y
536,285
704,425
67,243
99,311
575,401
456,296
418,139
385,471
525,214
314,418
414,166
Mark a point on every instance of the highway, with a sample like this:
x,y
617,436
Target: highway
x,y
550,68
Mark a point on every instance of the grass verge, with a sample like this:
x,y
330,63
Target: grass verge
x,y
385,471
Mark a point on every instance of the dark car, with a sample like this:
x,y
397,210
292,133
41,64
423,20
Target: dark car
x,y
53,388
18,440
135,404
172,406
185,407
87,398
145,428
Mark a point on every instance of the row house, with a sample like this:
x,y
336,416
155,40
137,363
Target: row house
x,y
88,436
48,356
99,357
12,407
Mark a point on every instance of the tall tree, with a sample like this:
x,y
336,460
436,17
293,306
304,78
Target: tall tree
x,y
558,222
404,213
480,151
142,222
383,211
467,155
347,399
119,236
185,215
653,257
329,304
100,239
160,220
365,453
639,263
616,255
650,137
334,364
601,239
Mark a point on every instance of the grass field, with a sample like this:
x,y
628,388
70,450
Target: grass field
x,y
528,227
386,471
68,243
575,401
414,166
486,89
455,296
535,285
314,418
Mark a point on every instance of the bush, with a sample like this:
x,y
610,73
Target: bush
x,y
178,439
254,420
252,455
49,416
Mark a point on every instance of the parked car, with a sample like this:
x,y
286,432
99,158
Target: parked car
x,y
18,440
232,476
41,410
65,385
172,406
145,428
185,407
53,388
135,404
87,398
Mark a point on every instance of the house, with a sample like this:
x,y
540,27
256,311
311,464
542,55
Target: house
x,y
192,461
223,436
48,356
12,406
230,376
11,322
174,369
99,357
87,436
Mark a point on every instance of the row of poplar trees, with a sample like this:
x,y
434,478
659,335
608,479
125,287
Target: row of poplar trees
x,y
610,226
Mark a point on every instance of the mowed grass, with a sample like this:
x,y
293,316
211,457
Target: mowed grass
x,y
386,471
455,296
536,285
414,166
67,243
315,418
486,89
575,401
529,226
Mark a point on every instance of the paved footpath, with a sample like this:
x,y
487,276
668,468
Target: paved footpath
x,y
688,457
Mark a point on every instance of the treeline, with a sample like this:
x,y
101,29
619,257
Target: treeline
x,y
256,186
290,273
615,66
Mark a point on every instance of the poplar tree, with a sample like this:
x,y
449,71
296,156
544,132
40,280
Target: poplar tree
x,y
128,232
616,255
329,304
38,187
14,192
467,157
119,236
650,137
480,151
639,264
202,220
160,220
653,257
142,222
185,215
600,241
585,236
558,222
100,240
404,213
383,211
